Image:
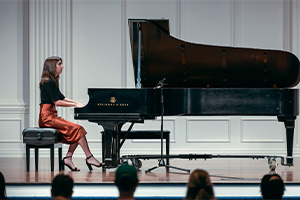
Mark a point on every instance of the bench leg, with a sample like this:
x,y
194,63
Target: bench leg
x,y
103,151
59,158
36,151
168,148
52,157
27,157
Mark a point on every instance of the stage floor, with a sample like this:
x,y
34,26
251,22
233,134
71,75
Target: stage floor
x,y
222,170
232,178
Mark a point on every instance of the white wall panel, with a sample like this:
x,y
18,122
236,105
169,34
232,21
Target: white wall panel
x,y
96,46
207,22
9,30
208,130
92,37
261,24
50,23
10,130
14,87
296,27
295,44
12,56
12,123
262,130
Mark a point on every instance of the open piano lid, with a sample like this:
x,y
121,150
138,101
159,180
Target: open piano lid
x,y
189,65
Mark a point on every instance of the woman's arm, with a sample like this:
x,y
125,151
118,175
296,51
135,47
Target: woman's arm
x,y
68,103
72,101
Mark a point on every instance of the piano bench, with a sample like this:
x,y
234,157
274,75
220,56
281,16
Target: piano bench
x,y
149,134
37,138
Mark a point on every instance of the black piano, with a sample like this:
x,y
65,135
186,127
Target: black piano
x,y
200,80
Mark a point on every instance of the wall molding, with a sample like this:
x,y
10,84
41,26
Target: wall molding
x,y
21,127
14,109
265,119
217,140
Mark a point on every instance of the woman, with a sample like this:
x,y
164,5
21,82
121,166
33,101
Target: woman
x,y
51,97
199,186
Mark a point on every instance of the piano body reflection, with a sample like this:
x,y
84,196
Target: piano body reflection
x,y
201,80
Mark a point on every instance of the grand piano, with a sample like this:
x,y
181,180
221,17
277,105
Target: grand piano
x,y
201,80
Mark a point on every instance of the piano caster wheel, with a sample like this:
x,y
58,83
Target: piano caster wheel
x,y
272,165
137,163
122,161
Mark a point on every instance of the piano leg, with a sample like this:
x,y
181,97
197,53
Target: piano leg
x,y
109,149
110,139
289,123
106,147
110,142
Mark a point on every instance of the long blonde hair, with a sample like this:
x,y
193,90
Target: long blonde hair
x,y
199,186
49,70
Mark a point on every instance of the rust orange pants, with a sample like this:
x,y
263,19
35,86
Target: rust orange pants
x,y
71,132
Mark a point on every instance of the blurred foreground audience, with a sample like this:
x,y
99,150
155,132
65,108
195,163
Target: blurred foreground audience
x,y
199,186
2,187
126,179
272,186
62,187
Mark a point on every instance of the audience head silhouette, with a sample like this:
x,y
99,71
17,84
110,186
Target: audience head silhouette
x,y
199,186
126,180
272,186
62,187
2,187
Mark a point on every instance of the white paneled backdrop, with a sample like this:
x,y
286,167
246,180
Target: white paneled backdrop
x,y
92,37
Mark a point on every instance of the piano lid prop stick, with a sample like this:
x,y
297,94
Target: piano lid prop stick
x,y
138,85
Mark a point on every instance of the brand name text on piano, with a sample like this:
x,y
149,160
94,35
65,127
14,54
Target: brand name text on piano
x,y
113,103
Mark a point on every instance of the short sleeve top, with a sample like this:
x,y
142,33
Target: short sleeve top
x,y
50,93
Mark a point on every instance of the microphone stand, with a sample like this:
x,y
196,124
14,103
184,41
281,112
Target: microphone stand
x,y
161,162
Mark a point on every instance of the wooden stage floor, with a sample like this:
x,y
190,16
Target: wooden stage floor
x,y
222,170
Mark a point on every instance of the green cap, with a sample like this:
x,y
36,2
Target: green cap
x,y
126,173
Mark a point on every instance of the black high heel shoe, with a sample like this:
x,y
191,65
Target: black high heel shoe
x,y
90,165
63,165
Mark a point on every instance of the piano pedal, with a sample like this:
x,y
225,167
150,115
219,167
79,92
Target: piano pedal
x,y
123,160
110,163
272,165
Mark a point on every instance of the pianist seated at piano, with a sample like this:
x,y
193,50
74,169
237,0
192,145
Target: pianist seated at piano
x,y
72,134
